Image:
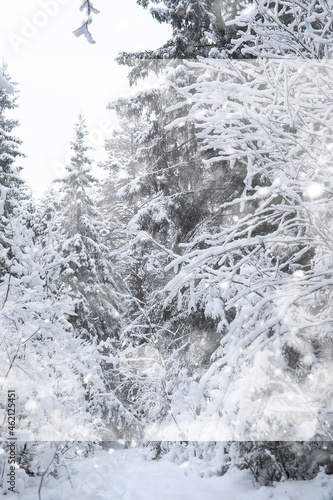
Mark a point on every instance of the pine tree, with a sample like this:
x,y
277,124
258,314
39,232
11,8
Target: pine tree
x,y
169,196
122,166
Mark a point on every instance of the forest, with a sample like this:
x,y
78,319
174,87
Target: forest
x,y
182,304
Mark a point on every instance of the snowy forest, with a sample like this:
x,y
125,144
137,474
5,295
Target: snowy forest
x,y
180,306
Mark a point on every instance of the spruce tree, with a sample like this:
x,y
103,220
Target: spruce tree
x,y
12,189
87,276
163,203
202,28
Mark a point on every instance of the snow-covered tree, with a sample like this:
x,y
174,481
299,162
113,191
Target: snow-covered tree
x,y
123,167
270,235
170,164
272,461
264,274
11,185
55,375
199,28
41,357
88,276
160,207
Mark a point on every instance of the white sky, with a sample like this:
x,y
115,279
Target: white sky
x,y
60,75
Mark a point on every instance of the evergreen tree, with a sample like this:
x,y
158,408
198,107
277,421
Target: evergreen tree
x,y
199,28
87,276
252,263
56,376
170,165
12,189
123,165
163,203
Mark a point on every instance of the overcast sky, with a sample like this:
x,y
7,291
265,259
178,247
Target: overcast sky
x,y
60,75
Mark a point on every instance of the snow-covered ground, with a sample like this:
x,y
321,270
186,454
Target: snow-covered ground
x,y
124,474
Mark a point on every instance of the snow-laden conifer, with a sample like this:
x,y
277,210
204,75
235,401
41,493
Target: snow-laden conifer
x,y
88,276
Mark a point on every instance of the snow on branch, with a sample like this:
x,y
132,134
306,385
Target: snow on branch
x,y
6,85
89,8
276,29
263,270
83,30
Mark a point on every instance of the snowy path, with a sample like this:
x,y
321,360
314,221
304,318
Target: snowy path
x,y
125,475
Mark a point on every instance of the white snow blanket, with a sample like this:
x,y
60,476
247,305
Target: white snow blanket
x,y
126,475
